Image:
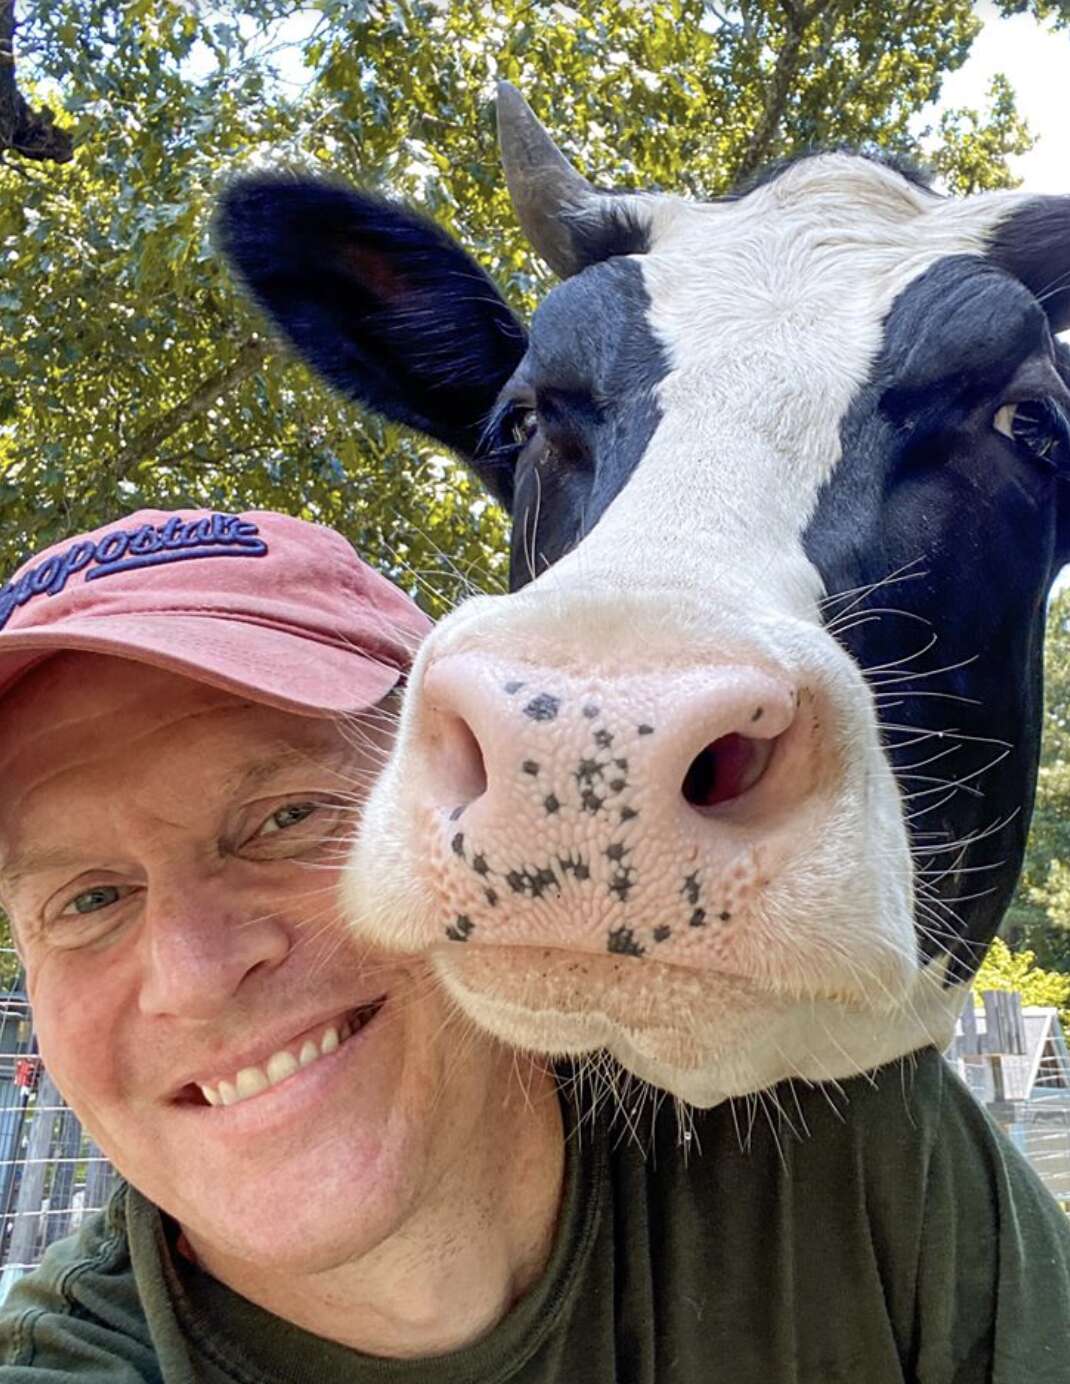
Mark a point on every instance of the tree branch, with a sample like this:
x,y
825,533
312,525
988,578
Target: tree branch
x,y
30,133
784,75
147,440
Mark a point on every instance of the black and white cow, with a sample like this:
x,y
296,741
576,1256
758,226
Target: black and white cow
x,y
736,784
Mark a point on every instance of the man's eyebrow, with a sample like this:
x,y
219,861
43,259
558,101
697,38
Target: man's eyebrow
x,y
19,864
315,758
15,867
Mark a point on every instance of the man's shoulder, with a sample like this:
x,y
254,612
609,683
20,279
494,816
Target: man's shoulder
x,y
893,1114
80,1313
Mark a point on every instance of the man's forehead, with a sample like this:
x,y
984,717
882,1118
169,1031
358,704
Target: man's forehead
x,y
70,693
24,850
153,741
94,702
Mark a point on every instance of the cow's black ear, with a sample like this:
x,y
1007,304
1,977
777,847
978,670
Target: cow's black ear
x,y
379,301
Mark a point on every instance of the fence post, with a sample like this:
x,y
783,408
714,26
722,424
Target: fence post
x,y
67,1148
31,1189
1004,1025
969,1027
99,1179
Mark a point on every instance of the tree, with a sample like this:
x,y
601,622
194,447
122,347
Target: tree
x,y
974,147
32,134
1039,916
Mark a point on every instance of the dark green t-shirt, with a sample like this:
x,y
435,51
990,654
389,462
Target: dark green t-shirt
x,y
879,1233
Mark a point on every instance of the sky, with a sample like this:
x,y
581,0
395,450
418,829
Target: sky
x,y
1037,62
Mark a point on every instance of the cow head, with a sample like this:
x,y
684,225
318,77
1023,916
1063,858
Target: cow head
x,y
736,783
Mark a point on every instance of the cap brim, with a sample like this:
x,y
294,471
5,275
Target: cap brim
x,y
293,672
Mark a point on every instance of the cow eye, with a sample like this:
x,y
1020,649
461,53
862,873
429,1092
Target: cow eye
x,y
1037,425
524,425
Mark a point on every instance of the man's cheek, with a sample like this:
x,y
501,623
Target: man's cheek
x,y
79,1027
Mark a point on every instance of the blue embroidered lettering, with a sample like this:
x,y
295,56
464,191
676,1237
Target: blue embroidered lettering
x,y
8,602
43,576
112,547
126,550
73,560
169,534
146,540
16,593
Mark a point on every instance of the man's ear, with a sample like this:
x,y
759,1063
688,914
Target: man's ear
x,y
379,301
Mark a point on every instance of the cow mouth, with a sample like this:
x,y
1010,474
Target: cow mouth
x,y
560,1002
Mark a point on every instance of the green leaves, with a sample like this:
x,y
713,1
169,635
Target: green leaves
x,y
975,146
1039,917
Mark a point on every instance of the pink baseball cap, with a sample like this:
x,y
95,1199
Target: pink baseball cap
x,y
292,617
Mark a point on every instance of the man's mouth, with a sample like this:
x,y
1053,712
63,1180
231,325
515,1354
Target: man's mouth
x,y
306,1049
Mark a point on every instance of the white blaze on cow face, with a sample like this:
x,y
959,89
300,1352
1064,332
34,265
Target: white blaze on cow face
x,y
537,830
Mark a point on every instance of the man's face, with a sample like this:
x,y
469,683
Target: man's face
x,y
169,856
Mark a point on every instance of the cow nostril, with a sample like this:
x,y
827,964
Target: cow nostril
x,y
458,770
725,769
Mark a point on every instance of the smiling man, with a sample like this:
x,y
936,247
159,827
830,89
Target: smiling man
x,y
332,1179
184,747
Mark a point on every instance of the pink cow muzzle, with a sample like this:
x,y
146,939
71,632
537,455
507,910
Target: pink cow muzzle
x,y
636,815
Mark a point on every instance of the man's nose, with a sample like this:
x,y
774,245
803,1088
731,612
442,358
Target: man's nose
x,y
199,946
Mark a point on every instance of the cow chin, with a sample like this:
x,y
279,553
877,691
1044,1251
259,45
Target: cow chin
x,y
670,1027
701,1038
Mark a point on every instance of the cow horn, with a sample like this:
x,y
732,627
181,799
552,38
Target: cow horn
x,y
542,183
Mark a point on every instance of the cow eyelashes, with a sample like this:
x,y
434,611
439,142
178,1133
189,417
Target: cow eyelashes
x,y
1037,425
557,431
523,426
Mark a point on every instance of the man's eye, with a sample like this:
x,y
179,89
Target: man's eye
x,y
288,816
1037,425
93,900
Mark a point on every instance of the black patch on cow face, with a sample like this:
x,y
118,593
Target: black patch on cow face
x,y
622,941
587,385
543,707
460,929
928,490
1033,244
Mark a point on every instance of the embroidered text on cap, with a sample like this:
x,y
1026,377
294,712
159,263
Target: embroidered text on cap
x,y
123,550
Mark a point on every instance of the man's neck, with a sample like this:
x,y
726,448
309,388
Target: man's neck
x,y
455,1268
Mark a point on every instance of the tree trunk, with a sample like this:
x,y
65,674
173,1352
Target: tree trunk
x,y
22,130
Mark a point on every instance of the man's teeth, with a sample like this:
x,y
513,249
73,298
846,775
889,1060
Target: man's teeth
x,y
250,1081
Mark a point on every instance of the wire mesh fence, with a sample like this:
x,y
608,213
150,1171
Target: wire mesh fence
x,y
52,1175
